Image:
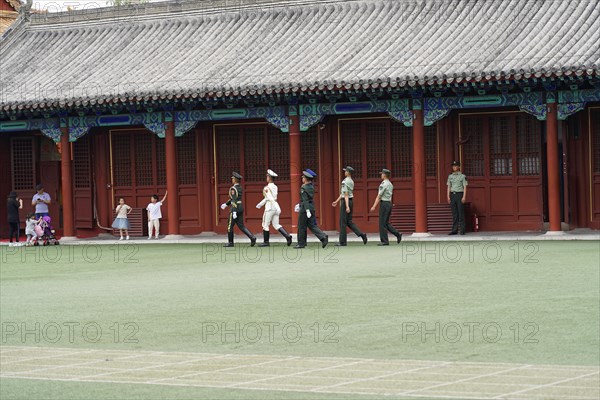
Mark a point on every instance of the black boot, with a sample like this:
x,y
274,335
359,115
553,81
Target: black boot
x,y
265,242
286,235
229,239
250,235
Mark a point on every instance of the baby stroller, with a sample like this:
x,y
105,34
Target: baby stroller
x,y
45,233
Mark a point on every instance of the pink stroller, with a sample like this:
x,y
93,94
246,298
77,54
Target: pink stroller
x,y
45,233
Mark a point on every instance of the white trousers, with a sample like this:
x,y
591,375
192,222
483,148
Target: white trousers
x,y
271,217
153,223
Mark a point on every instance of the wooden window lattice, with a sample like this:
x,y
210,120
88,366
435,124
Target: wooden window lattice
x,y
310,149
161,162
376,148
254,154
228,152
431,151
81,163
143,160
500,146
402,150
186,159
528,145
121,158
352,146
279,153
23,164
596,141
472,134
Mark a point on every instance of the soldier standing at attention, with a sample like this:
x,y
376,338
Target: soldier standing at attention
x,y
306,208
236,211
346,209
384,198
457,195
272,210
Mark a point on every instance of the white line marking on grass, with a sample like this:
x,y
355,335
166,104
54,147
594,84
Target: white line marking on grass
x,y
150,366
221,370
547,385
163,375
50,368
47,357
379,377
296,373
410,392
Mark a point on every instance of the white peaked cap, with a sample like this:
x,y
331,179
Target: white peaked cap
x,y
271,173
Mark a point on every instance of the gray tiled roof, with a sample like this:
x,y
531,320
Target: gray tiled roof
x,y
205,47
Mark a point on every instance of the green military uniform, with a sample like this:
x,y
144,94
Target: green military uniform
x,y
457,182
236,212
346,217
386,190
307,193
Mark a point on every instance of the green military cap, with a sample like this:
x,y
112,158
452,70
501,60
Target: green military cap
x,y
386,171
236,175
455,163
349,169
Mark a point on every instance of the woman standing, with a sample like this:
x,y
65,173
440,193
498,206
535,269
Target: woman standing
x,y
14,204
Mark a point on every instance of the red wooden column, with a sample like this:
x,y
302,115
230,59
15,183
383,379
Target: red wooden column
x,y
295,169
103,204
419,175
207,188
171,169
553,168
66,183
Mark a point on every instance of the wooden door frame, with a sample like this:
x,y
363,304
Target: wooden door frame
x,y
239,125
591,164
487,152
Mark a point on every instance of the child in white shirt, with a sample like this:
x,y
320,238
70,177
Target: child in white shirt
x,y
154,214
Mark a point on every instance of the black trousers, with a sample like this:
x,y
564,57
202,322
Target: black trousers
x,y
346,220
310,223
458,212
385,210
13,229
239,221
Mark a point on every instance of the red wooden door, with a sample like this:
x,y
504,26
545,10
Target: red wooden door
x,y
251,149
6,185
82,184
502,159
594,133
138,169
23,170
371,144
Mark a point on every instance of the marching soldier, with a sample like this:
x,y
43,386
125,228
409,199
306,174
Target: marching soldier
x,y
272,210
236,211
457,195
384,198
306,208
346,209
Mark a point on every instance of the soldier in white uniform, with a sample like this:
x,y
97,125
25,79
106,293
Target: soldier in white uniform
x,y
272,210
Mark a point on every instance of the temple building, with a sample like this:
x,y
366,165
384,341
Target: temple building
x,y
135,100
8,13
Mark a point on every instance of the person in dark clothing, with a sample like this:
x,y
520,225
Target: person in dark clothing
x,y
236,211
306,210
14,204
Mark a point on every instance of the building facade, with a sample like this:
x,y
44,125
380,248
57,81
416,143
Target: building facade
x,y
174,96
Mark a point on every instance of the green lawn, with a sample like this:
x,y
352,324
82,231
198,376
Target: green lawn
x,y
357,302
